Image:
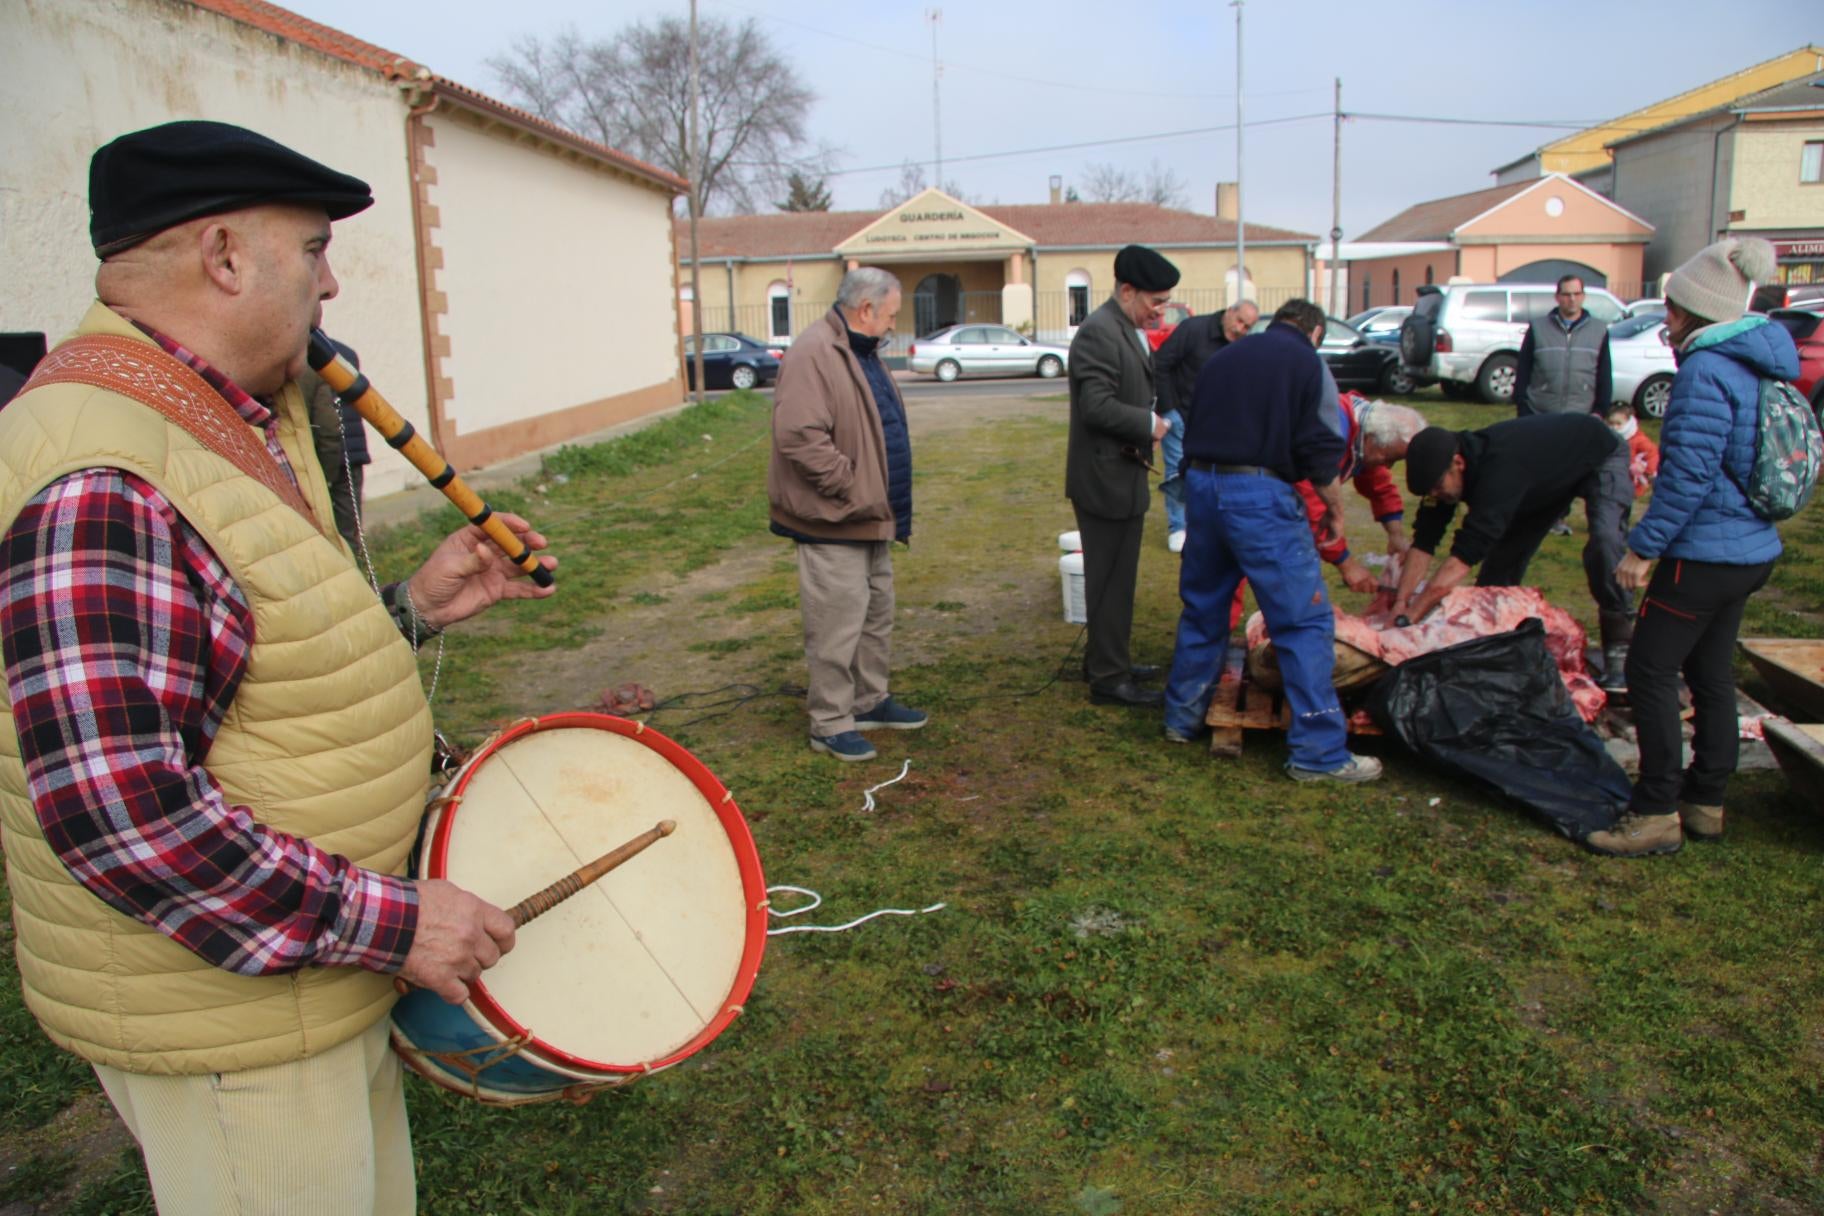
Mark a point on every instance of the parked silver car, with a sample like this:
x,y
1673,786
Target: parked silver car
x,y
1466,337
1642,363
984,350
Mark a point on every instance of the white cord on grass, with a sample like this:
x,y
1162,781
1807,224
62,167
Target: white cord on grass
x,y
868,794
817,900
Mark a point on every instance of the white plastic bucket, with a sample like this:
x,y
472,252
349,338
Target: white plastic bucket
x,y
1070,542
1070,575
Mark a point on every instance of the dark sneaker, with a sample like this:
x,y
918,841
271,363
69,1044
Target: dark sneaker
x,y
891,715
1359,769
848,745
1701,822
1638,836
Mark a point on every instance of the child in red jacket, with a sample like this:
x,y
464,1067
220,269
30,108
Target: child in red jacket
x,y
1643,453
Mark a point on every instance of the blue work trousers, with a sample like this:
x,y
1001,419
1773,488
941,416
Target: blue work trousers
x,y
1171,449
1252,526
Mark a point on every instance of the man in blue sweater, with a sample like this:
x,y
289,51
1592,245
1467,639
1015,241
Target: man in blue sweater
x,y
1264,417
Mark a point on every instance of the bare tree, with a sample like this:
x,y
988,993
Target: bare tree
x,y
631,92
1161,186
912,181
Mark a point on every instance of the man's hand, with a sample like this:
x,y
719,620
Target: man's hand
x,y
1330,526
1397,544
1356,576
468,573
1160,428
459,936
1634,572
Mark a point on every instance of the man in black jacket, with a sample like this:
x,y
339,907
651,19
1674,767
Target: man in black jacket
x,y
1112,432
1175,366
1264,417
1518,478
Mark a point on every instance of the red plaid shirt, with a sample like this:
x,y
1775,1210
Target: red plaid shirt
x,y
124,640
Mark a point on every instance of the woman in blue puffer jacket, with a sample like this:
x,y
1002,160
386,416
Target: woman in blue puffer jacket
x,y
1713,550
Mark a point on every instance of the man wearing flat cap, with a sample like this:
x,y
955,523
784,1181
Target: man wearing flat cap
x,y
1518,478
1113,427
221,747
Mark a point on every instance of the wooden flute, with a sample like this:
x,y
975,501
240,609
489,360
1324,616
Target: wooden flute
x,y
355,389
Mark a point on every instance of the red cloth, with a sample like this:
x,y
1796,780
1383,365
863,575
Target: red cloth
x,y
1643,461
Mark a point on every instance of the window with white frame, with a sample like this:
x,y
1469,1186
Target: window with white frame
x,y
1811,163
779,311
1076,287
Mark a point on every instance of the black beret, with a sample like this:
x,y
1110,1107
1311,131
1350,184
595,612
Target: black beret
x,y
1146,269
1428,458
148,181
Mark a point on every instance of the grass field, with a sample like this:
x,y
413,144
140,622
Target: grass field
x,y
1163,984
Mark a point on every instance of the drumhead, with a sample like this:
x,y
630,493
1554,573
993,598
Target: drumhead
x,y
651,961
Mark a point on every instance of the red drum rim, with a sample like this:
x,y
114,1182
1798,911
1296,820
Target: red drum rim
x,y
747,858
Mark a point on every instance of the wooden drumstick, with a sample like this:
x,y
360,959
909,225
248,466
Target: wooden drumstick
x,y
540,902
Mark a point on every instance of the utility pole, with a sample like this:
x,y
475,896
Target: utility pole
x,y
696,211
1336,194
936,15
1241,231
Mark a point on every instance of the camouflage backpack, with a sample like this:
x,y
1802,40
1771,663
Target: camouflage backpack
x,y
1788,451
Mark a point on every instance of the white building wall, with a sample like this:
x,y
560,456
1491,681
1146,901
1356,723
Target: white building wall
x,y
76,73
558,273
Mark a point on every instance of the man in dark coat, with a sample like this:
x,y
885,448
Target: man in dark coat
x,y
1175,365
1113,428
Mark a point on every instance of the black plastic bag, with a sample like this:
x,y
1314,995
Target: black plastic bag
x,y
1495,710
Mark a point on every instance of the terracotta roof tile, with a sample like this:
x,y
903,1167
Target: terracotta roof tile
x,y
333,42
1437,219
817,233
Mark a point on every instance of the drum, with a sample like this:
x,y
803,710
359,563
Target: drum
x,y
630,975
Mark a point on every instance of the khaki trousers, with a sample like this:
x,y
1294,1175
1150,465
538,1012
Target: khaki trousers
x,y
319,1135
846,595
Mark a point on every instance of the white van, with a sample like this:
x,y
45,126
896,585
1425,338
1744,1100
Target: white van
x,y
1465,337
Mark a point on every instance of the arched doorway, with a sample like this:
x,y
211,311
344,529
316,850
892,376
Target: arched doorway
x,y
937,302
1550,270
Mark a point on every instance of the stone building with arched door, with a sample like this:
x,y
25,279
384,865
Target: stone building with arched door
x,y
1040,268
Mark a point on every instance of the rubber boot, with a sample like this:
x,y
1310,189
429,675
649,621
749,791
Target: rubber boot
x,y
1617,631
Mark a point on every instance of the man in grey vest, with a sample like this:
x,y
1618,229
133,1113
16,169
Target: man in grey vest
x,y
1564,359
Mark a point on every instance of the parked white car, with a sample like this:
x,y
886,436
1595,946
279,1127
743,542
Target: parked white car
x,y
1642,363
1465,337
984,350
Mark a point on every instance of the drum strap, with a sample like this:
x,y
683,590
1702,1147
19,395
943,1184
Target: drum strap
x,y
164,383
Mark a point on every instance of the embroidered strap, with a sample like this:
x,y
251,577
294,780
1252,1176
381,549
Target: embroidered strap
x,y
161,382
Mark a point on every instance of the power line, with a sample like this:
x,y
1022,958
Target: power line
x,y
1091,143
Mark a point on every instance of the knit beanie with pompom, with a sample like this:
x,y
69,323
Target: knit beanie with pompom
x,y
1716,283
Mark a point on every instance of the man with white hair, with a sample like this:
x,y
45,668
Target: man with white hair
x,y
840,485
1375,435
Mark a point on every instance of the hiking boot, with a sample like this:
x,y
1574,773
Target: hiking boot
x,y
1359,769
1701,822
1614,669
1638,836
845,745
891,715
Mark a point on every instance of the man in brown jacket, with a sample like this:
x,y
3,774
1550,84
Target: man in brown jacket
x,y
840,485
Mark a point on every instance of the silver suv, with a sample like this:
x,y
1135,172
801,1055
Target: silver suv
x,y
1465,337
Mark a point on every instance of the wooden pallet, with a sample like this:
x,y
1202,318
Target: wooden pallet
x,y
1238,705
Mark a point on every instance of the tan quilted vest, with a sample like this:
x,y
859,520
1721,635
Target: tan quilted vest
x,y
328,738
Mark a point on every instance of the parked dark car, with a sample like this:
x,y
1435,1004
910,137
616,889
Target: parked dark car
x,y
1357,363
732,361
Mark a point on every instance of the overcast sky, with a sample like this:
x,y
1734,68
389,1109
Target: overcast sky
x,y
1021,75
